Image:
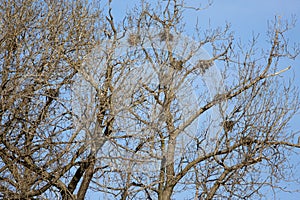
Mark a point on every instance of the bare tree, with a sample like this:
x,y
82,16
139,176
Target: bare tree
x,y
42,47
133,109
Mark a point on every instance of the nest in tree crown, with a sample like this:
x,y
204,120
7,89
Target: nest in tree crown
x,y
228,125
134,39
203,65
177,64
164,36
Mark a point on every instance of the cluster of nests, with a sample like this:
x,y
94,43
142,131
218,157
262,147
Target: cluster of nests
x,y
203,65
135,39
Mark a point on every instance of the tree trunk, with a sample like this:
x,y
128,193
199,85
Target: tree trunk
x,y
166,193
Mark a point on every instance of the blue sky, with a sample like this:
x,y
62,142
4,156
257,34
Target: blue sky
x,y
249,16
246,17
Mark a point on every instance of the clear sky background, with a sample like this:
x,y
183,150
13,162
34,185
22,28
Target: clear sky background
x,y
246,17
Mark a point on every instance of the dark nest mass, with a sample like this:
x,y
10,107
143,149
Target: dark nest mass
x,y
228,126
134,39
204,65
164,36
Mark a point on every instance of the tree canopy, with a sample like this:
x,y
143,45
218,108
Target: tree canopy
x,y
138,109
